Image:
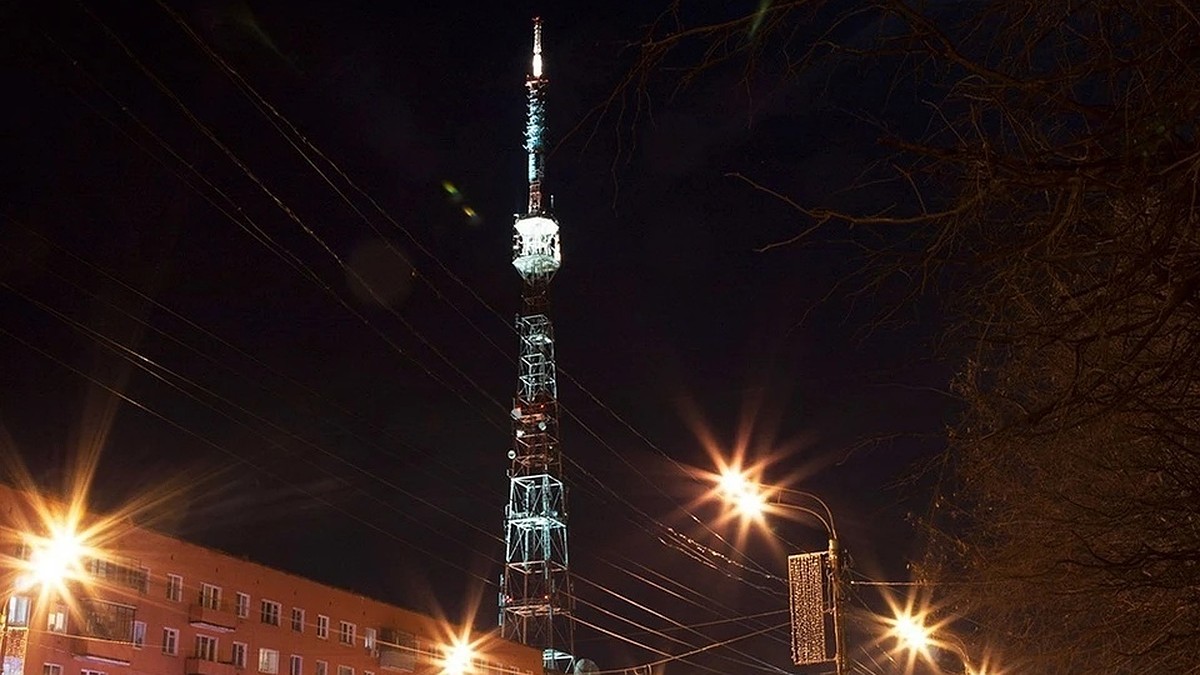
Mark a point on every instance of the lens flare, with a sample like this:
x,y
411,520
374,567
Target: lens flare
x,y
54,560
742,497
911,633
732,483
458,658
745,496
54,548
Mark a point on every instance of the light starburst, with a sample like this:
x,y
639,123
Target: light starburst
x,y
458,657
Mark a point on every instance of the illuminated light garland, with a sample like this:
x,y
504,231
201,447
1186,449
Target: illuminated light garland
x,y
806,586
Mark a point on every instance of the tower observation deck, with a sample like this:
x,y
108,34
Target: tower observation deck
x,y
535,593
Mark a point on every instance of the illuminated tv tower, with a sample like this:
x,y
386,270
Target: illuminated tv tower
x,y
535,590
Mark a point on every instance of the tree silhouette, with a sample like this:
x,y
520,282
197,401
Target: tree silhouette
x,y
1054,196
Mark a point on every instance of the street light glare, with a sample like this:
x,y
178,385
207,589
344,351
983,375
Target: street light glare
x,y
751,504
912,633
57,558
919,639
740,492
732,483
54,559
458,659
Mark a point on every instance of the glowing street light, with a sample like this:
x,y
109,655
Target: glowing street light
x,y
458,658
752,500
918,638
744,495
912,634
53,560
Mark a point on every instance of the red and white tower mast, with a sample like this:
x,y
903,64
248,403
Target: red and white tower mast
x,y
535,591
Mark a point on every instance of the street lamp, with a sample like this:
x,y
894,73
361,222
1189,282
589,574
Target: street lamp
x,y
53,560
917,638
457,658
752,500
912,633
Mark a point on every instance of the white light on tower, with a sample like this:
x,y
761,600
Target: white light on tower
x,y
537,49
536,246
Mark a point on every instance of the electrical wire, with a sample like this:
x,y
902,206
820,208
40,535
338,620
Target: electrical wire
x,y
295,139
167,376
236,457
304,227
268,243
684,657
752,661
256,382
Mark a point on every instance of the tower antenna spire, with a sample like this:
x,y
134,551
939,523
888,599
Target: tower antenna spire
x,y
535,590
536,70
535,122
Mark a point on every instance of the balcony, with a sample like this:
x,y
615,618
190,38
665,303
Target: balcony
x,y
195,666
217,618
397,650
102,650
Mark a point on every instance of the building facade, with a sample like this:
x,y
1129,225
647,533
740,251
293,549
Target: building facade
x,y
143,602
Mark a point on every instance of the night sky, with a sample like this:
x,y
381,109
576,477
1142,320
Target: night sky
x,y
297,421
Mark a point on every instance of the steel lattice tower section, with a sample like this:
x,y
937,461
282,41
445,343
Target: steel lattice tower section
x,y
535,593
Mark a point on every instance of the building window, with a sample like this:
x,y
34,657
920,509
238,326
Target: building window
x,y
295,664
238,657
139,634
369,639
210,596
86,671
118,573
18,611
270,612
170,641
145,579
346,632
297,619
51,669
268,660
56,619
345,670
322,668
96,567
174,587
206,648
322,626
243,605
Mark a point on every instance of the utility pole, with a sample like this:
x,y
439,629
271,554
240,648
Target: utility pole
x,y
839,638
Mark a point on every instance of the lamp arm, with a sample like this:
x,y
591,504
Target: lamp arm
x,y
827,519
821,518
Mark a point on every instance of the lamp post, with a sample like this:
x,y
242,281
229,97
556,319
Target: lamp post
x,y
753,499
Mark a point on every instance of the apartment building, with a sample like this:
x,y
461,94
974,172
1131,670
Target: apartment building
x,y
148,603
